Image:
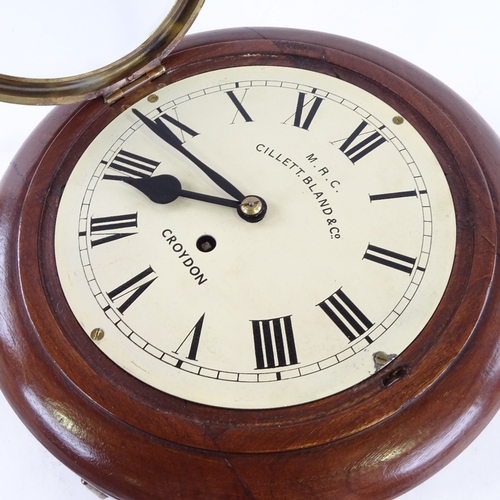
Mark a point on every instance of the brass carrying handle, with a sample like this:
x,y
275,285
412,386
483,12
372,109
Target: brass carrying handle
x,y
89,85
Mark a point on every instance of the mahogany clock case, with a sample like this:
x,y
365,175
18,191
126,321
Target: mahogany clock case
x,y
376,440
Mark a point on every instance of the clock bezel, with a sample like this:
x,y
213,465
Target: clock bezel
x,y
141,62
354,423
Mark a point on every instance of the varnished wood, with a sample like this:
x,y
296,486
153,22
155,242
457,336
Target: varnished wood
x,y
374,441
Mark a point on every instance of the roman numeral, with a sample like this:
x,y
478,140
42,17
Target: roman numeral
x,y
356,147
346,315
274,343
127,293
390,259
239,106
195,335
395,195
183,128
301,119
130,165
106,229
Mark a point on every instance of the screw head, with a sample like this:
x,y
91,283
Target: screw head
x,y
97,334
381,359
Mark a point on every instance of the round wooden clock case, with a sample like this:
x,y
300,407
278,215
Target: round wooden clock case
x,y
375,440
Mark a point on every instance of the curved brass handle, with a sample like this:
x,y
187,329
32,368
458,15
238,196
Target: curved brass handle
x,y
86,86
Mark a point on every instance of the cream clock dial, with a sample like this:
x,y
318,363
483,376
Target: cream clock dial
x,y
255,237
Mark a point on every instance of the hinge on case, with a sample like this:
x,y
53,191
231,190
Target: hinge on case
x,y
134,85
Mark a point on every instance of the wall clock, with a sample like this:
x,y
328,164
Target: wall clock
x,y
396,131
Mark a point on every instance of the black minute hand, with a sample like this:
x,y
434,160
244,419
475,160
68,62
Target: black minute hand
x,y
162,131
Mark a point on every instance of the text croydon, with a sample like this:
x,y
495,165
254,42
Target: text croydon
x,y
184,257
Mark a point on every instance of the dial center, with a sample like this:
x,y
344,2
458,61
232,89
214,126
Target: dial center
x,y
252,208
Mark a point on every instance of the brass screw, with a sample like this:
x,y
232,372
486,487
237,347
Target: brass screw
x,y
381,359
97,334
152,98
398,120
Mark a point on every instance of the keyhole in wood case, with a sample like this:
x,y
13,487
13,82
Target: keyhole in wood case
x,y
395,375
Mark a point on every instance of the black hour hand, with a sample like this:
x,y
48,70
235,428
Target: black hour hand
x,y
166,188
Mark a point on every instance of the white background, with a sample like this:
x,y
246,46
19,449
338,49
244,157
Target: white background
x,y
455,41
